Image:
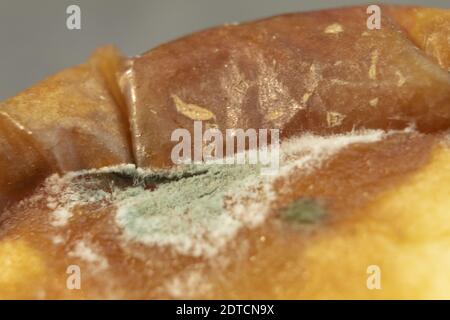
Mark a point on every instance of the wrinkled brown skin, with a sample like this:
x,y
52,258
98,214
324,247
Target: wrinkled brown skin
x,y
70,121
284,72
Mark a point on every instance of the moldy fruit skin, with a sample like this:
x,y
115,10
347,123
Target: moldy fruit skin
x,y
386,201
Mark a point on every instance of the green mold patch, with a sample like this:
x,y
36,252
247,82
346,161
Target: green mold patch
x,y
186,211
195,209
304,211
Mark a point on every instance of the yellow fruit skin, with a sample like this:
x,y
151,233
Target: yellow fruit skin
x,y
406,232
21,269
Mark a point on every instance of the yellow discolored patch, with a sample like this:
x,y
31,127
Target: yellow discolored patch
x,y
401,78
421,206
20,267
311,85
373,102
373,65
335,119
334,28
192,111
274,115
406,232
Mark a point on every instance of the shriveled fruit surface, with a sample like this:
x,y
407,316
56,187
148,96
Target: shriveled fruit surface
x,y
322,71
86,179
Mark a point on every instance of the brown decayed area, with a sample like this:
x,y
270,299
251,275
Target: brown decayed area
x,y
289,72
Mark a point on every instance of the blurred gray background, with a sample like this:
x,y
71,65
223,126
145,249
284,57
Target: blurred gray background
x,y
35,42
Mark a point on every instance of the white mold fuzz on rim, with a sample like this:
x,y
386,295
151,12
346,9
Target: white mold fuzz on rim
x,y
199,215
87,253
194,209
